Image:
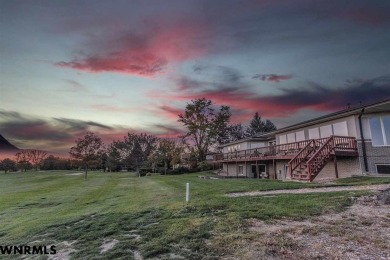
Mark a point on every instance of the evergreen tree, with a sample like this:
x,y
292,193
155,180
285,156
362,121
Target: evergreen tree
x,y
259,126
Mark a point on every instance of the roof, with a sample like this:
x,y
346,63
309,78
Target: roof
x,y
378,107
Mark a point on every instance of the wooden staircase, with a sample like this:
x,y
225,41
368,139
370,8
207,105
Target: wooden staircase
x,y
308,163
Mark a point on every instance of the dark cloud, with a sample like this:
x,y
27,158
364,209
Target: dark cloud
x,y
54,134
59,134
75,86
312,96
169,111
80,125
272,77
223,73
167,131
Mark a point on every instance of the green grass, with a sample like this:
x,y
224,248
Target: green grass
x,y
149,214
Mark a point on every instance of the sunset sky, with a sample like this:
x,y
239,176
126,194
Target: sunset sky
x,y
117,66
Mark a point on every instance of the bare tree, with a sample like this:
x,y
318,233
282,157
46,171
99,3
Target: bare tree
x,y
87,150
35,157
23,160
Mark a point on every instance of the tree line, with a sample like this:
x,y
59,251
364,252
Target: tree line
x,y
206,127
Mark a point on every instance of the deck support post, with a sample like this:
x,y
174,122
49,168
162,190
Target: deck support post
x,y
236,169
274,166
227,169
257,171
246,170
335,167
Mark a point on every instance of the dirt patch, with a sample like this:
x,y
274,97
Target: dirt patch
x,y
137,255
311,190
108,245
64,249
361,232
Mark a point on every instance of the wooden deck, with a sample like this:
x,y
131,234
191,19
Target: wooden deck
x,y
344,146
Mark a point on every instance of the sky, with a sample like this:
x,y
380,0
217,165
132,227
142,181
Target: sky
x,y
112,67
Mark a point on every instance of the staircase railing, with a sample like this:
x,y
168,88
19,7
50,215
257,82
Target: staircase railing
x,y
320,157
301,157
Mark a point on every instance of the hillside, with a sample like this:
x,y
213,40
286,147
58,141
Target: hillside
x,y
6,146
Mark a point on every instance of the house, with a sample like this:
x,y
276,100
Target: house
x,y
355,141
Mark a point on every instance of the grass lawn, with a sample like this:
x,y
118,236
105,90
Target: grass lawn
x,y
148,216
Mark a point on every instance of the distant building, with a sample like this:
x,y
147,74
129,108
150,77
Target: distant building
x,y
355,141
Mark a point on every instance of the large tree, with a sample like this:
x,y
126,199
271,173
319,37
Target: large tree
x,y
135,149
8,165
113,162
87,150
257,125
235,132
168,153
203,125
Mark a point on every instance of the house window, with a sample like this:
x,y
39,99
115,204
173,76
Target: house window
x,y
300,136
340,129
314,133
380,130
282,139
291,138
326,131
383,168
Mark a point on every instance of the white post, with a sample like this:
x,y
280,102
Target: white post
x,y
187,192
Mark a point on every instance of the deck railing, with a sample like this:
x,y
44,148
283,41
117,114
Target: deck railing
x,y
286,150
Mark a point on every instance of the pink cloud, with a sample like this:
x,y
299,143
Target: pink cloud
x,y
169,112
137,64
146,54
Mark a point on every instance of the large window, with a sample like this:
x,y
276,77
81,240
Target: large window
x,y
326,131
314,133
340,129
282,139
380,130
291,138
300,136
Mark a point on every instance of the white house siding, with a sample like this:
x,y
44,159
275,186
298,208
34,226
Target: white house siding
x,y
244,146
281,173
252,145
231,169
320,130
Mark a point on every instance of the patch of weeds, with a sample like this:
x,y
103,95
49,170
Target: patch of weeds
x,y
366,222
381,243
356,238
314,230
281,245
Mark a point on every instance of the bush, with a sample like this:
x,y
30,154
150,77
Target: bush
x,y
204,166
